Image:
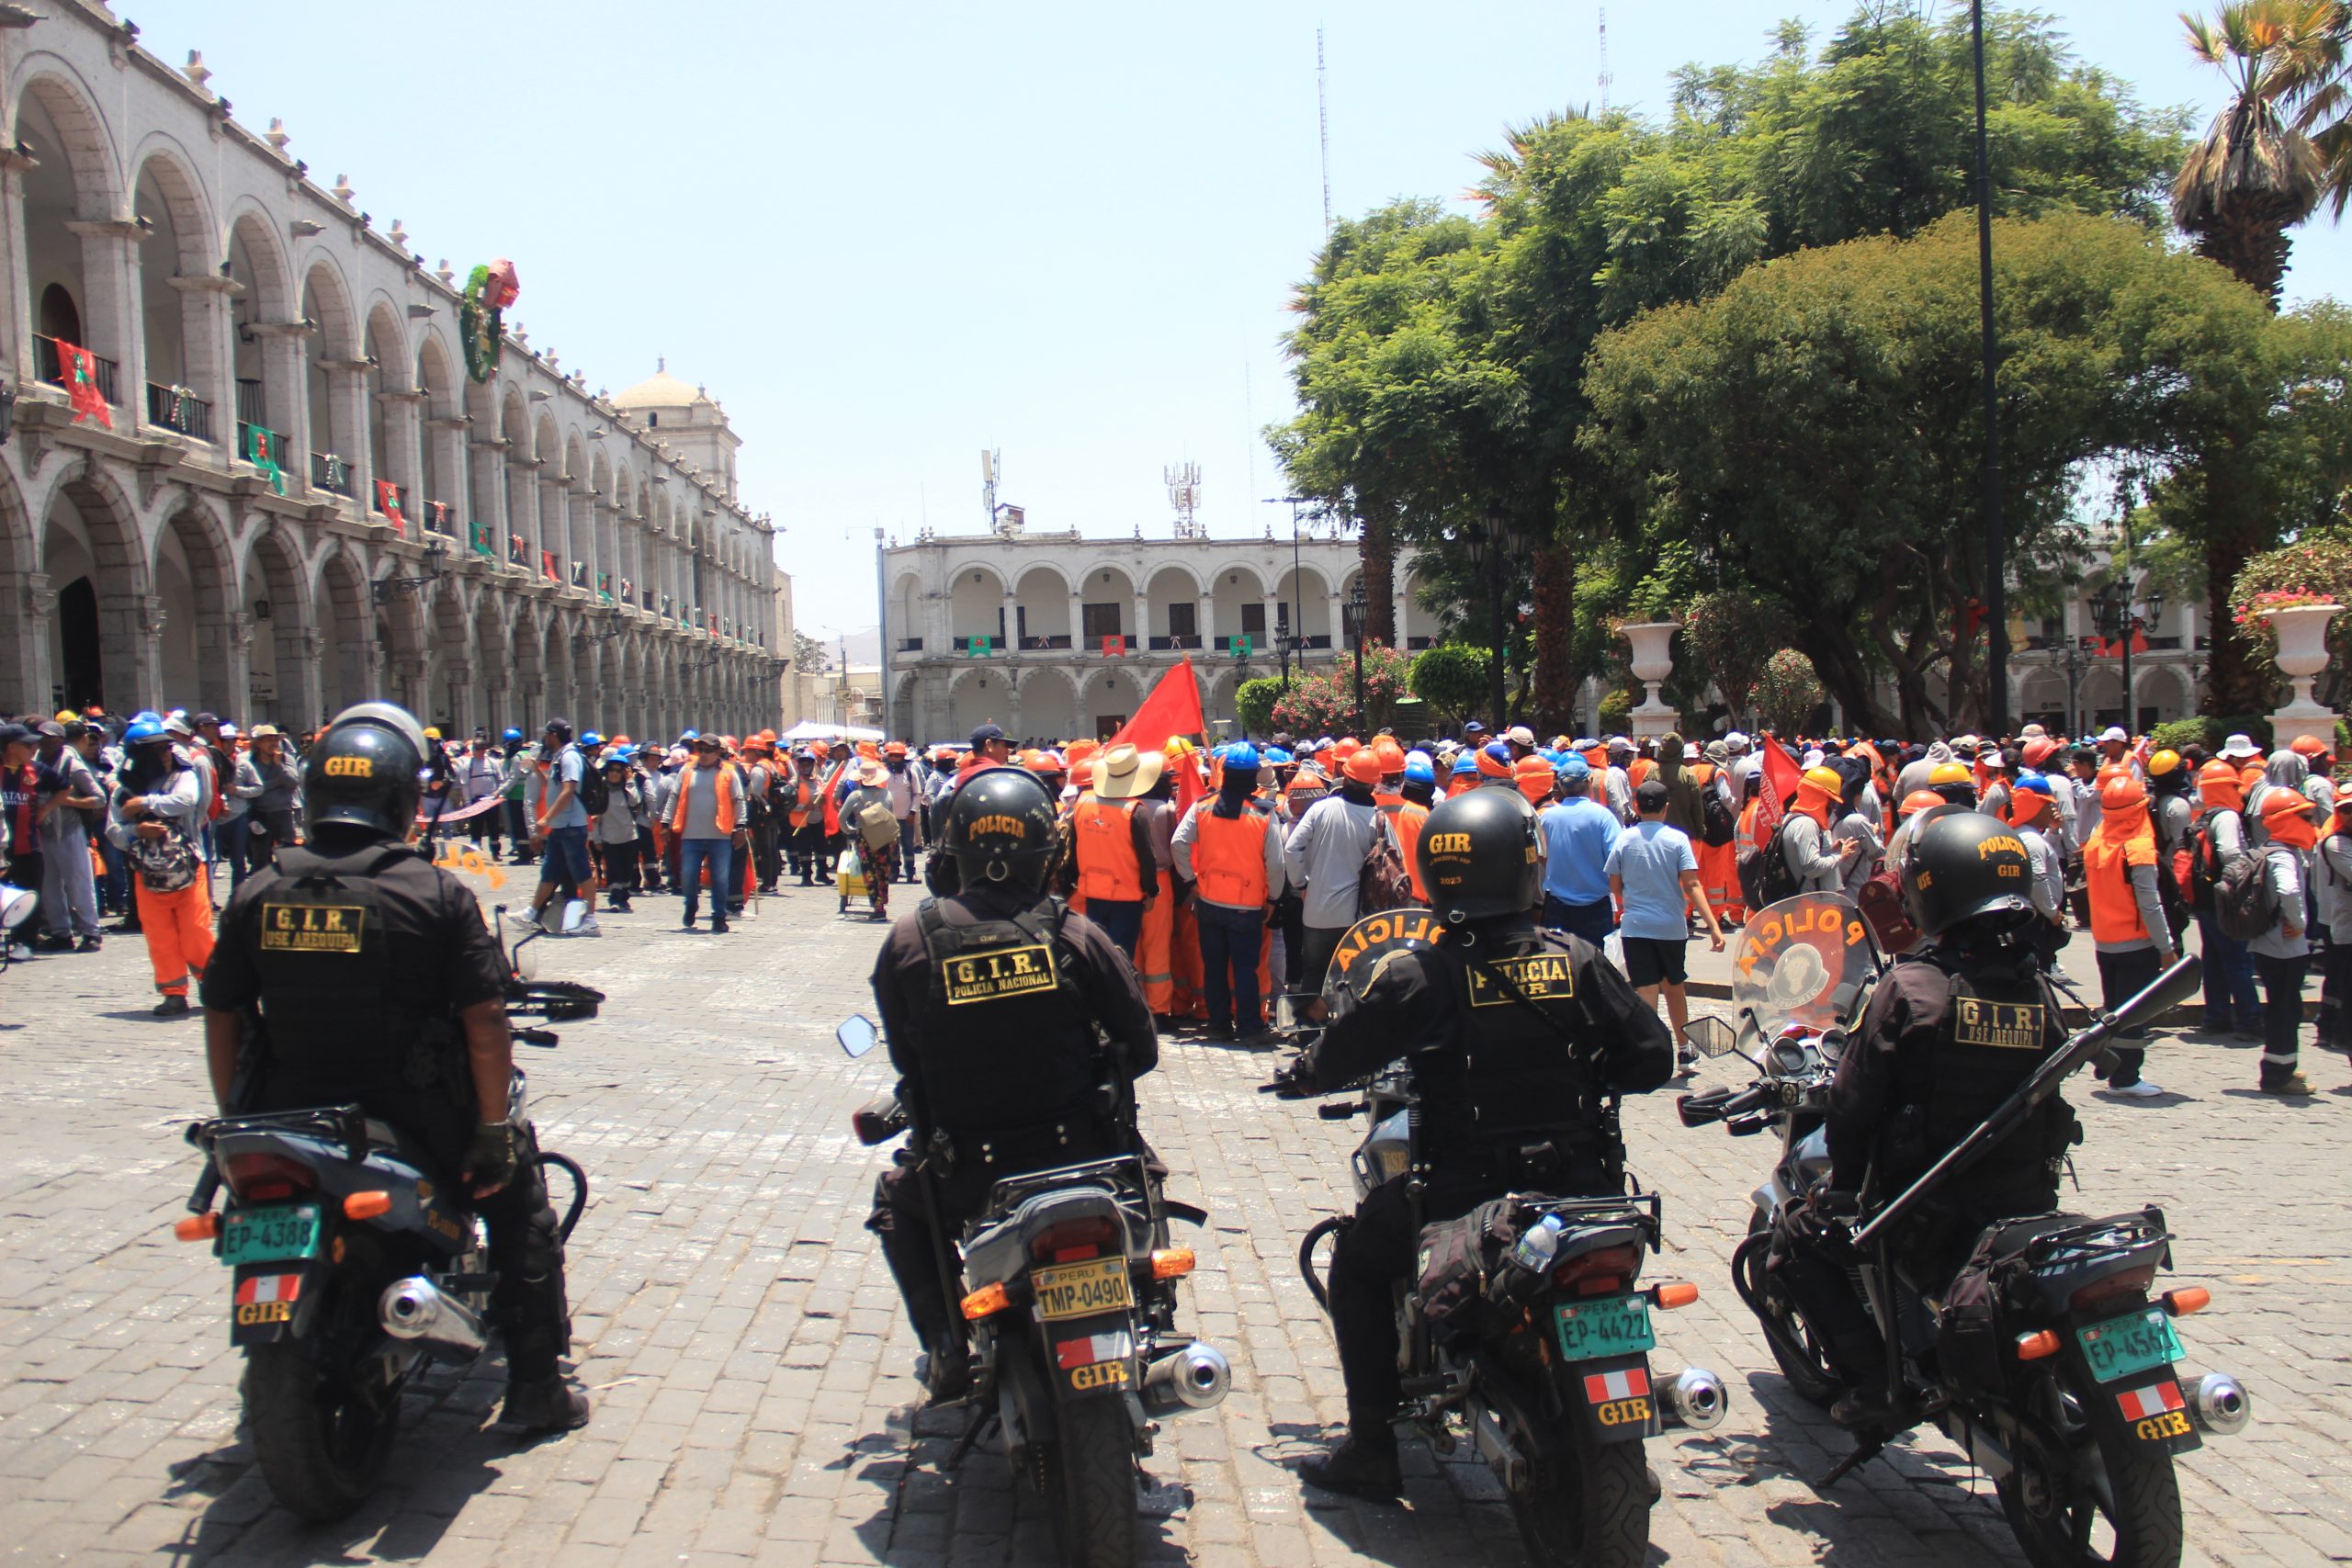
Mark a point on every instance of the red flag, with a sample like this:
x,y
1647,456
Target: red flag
x,y
1173,708
81,367
1781,775
388,501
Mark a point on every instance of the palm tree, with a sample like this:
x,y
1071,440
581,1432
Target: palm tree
x,y
2311,67
2253,177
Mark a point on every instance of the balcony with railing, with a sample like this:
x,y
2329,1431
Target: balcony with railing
x,y
1171,643
437,517
330,473
177,408
48,365
1047,644
397,495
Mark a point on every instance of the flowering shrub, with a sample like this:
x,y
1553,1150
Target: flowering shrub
x,y
2315,569
1788,691
1325,703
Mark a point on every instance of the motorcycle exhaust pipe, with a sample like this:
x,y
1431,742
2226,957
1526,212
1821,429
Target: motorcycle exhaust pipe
x,y
1696,1400
1196,1378
2220,1405
413,1309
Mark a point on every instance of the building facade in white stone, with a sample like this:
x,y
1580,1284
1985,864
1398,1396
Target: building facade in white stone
x,y
1077,630
555,552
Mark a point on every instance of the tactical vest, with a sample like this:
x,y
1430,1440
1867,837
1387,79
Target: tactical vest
x,y
1007,1044
1511,1089
1997,1029
337,1028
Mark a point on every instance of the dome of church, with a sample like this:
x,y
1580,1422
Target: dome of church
x,y
659,390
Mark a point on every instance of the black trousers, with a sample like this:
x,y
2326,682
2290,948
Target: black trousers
x,y
2282,1014
2121,976
528,1255
764,852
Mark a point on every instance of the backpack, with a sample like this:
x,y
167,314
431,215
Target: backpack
x,y
1880,901
1764,874
1384,883
2200,859
1717,827
2244,904
164,866
595,793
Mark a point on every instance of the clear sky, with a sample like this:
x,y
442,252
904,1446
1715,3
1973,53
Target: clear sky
x,y
887,236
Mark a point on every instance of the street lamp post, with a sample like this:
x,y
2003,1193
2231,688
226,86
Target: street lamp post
x,y
1356,602
1483,543
2112,612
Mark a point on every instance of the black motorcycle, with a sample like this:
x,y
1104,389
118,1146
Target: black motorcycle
x,y
2049,1360
1068,1282
352,1266
1537,1350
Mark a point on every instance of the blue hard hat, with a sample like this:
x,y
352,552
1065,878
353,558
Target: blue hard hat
x,y
592,739
690,735
1418,769
1499,750
1466,763
1242,755
1571,766
2035,782
144,728
1274,756
146,716
512,735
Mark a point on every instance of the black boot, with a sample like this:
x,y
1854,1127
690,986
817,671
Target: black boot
x,y
170,1007
1364,1466
550,1405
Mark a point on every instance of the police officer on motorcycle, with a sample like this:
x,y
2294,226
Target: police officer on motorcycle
x,y
393,998
1951,1031
1017,1028
1517,1036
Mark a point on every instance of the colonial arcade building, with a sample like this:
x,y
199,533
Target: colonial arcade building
x,y
284,492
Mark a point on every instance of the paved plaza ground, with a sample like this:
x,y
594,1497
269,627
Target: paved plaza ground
x,y
751,1368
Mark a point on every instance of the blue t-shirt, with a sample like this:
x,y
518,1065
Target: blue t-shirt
x,y
568,770
1578,833
1650,859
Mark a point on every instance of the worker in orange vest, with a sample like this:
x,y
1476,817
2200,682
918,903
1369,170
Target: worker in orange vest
x,y
1115,866
1416,788
2128,926
1227,849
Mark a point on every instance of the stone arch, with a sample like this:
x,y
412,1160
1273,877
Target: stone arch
x,y
1217,701
336,424
277,602
266,295
975,595
1303,598
905,692
1237,606
192,568
1041,608
525,646
25,631
453,686
403,652
1172,607
1048,706
555,666
495,676
392,420
1421,626
1107,697
178,351
91,551
75,177
1106,583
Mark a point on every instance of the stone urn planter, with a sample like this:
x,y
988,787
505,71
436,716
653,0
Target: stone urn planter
x,y
2302,654
1653,661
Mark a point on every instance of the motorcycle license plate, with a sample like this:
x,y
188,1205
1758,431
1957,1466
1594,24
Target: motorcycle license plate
x,y
1080,1290
270,1235
2136,1343
1610,1326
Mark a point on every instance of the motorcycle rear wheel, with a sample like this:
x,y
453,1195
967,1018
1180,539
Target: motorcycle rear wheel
x,y
1810,1378
1089,1484
322,1444
1597,1516
2062,1518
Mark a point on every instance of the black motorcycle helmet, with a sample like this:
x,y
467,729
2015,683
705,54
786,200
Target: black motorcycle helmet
x,y
1962,865
1478,856
1000,828
362,772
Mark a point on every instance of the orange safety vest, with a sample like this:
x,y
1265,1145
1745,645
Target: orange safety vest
x,y
2115,911
1407,817
1640,769
833,776
1107,868
726,798
1229,857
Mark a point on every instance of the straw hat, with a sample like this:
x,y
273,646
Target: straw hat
x,y
1122,772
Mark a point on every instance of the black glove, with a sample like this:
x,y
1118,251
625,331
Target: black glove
x,y
491,1158
1294,1081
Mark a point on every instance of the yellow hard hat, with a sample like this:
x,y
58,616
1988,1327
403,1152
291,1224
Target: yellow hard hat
x,y
2164,762
430,733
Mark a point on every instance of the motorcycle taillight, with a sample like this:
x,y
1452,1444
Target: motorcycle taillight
x,y
265,1178
1074,1241
2114,1288
1599,1273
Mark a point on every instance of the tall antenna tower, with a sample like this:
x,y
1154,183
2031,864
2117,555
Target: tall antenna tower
x,y
1185,495
1604,63
991,465
1323,125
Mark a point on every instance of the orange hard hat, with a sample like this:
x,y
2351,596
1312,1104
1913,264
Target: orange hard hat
x,y
1534,776
1918,800
1361,766
2220,785
1346,746
2122,792
1391,755
1081,773
895,748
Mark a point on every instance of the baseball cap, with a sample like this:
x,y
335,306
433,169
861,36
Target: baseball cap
x,y
1574,768
987,733
2113,732
1519,735
1736,738
1651,795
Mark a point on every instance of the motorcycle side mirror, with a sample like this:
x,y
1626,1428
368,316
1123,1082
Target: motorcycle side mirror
x,y
1710,1036
857,1035
575,911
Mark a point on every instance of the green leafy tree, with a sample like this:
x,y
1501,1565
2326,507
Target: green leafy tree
x,y
1788,691
1452,678
1728,635
1253,704
2255,176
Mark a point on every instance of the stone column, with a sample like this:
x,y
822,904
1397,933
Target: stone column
x,y
110,303
300,699
457,675
18,347
522,508
130,635
1204,619
285,397
347,407
24,637
403,453
485,500
1141,625
208,327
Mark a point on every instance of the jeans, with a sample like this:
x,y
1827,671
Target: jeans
x,y
566,866
1592,921
114,892
2121,976
518,828
2282,1013
229,839
1230,940
692,855
1121,919
2230,1000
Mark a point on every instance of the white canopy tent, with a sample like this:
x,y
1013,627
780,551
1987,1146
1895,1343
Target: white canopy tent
x,y
809,729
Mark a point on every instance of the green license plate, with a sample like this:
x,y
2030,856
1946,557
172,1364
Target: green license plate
x,y
1610,1326
270,1235
2123,1346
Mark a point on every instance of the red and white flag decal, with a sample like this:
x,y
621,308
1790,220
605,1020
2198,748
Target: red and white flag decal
x,y
1073,1353
1602,1387
269,1288
2155,1400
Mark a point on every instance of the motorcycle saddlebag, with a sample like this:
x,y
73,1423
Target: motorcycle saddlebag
x,y
1456,1259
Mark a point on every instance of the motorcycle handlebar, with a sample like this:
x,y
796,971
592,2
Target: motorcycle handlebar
x,y
1721,1104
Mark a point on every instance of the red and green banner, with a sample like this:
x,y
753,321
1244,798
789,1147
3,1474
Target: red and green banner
x,y
388,501
261,451
546,567
80,369
478,533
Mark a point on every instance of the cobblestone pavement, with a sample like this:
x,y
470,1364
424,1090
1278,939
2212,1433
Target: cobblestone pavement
x,y
752,1369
